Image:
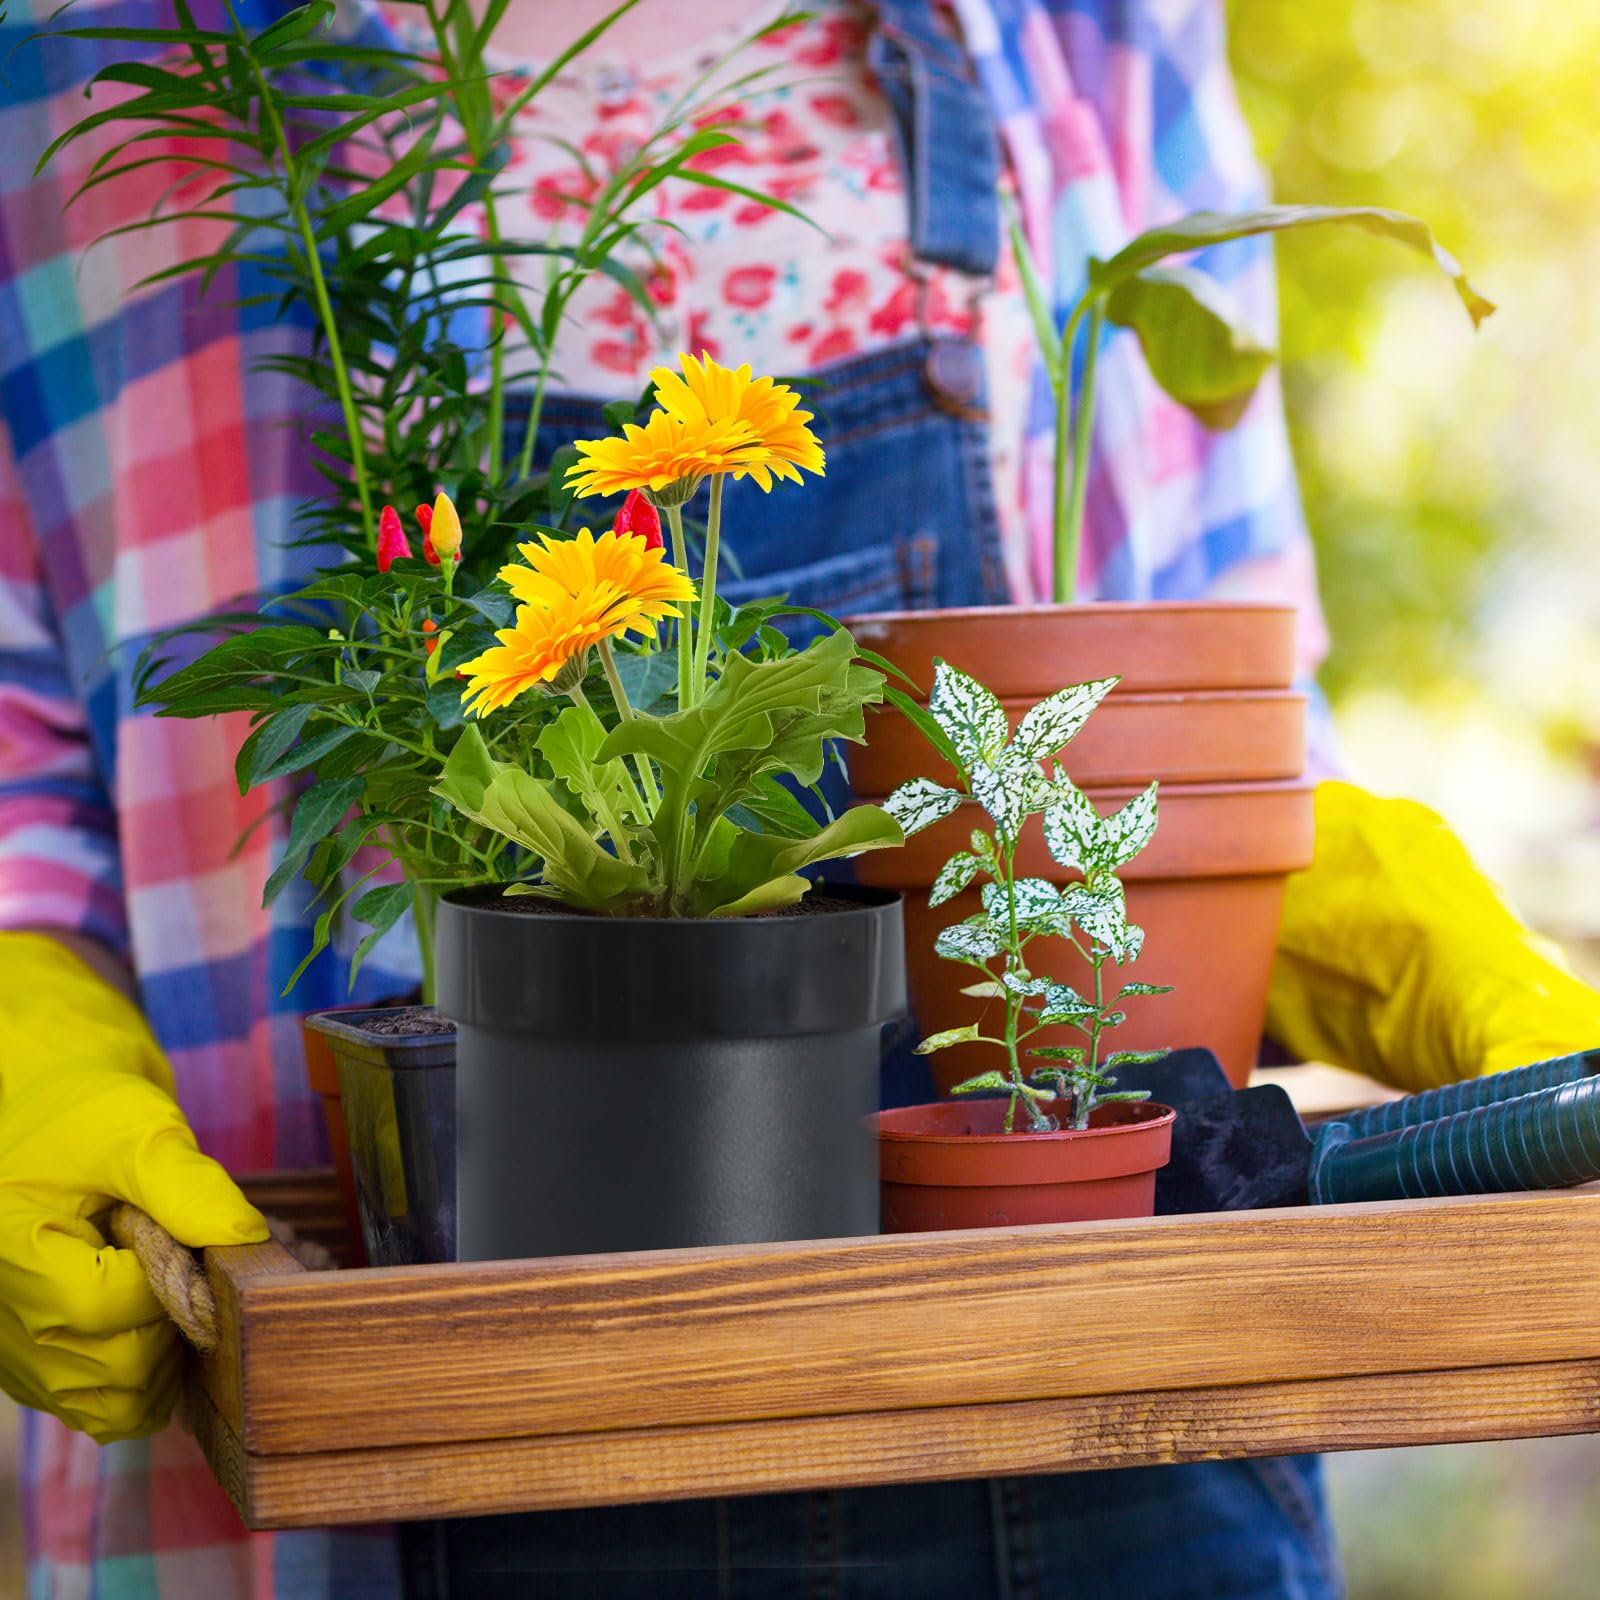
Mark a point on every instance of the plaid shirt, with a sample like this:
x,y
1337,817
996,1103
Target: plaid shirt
x,y
145,479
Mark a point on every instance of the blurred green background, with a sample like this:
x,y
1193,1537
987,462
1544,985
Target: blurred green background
x,y
1451,482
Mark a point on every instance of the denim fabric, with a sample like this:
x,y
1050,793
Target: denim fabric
x,y
948,146
1235,1530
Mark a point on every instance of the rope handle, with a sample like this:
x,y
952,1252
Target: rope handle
x,y
175,1274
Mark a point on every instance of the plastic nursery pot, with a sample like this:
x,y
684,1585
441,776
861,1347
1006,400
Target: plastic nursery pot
x,y
636,1083
396,1071
322,1073
952,1165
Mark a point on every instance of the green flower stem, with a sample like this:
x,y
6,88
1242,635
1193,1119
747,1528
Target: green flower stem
x,y
530,432
649,794
680,559
708,588
1073,437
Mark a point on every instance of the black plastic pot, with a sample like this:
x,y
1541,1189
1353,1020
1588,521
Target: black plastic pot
x,y
399,1099
646,1083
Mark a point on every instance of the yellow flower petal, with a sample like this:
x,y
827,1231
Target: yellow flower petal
x,y
573,593
665,450
708,394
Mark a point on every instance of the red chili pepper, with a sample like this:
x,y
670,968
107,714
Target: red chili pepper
x,y
425,522
392,544
639,517
429,644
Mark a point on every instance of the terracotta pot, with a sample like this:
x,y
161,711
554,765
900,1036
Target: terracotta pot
x,y
951,1165
1208,892
1027,652
323,1073
1217,736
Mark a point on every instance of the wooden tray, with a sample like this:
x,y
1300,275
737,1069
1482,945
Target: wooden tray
x,y
342,1397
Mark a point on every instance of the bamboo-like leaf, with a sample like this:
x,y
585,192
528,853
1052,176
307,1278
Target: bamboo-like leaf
x,y
1201,229
1195,340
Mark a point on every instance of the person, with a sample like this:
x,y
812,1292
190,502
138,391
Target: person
x,y
144,482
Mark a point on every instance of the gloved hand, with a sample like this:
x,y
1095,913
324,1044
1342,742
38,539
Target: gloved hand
x,y
1399,959
87,1118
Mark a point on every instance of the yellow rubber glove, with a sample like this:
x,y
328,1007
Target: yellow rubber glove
x,y
87,1118
1398,958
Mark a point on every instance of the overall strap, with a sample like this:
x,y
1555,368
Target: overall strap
x,y
947,138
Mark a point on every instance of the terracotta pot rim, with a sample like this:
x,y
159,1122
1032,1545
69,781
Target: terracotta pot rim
x,y
1114,608
1127,698
1141,1121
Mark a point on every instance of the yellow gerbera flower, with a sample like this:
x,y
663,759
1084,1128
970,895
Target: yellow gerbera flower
x,y
574,593
667,450
708,393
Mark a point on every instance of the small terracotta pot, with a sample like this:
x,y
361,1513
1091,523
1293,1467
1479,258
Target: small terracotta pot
x,y
1027,652
323,1073
1218,736
952,1165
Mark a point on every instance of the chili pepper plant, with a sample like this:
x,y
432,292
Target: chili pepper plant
x,y
1007,774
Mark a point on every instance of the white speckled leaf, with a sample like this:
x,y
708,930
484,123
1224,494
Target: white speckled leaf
x,y
1129,830
975,942
1002,793
953,877
1073,831
920,803
1063,1003
973,720
1038,904
1056,720
1026,987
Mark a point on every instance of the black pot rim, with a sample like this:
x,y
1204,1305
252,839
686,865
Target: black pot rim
x,y
398,1051
489,898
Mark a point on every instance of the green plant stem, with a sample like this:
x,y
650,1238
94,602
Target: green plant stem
x,y
530,432
649,794
319,289
708,588
424,902
1074,437
680,558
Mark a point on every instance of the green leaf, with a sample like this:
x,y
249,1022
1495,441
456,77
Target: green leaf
x,y
1194,339
950,1036
1034,291
921,803
316,814
570,744
1121,1094
972,942
762,871
987,990
984,1080
305,754
1128,830
1203,228
1055,721
1073,832
923,721
953,877
525,810
1129,990
268,742
972,719
1058,1052
381,908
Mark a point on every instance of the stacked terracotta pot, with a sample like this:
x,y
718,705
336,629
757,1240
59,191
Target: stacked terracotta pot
x,y
1205,707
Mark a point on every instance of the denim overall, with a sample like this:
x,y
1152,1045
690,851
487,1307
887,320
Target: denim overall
x,y
904,519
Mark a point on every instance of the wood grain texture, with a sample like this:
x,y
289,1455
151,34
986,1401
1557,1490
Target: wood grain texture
x,y
230,1268
411,1356
1143,1429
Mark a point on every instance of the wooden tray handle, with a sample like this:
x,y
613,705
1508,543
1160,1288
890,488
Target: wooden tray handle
x,y
175,1274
